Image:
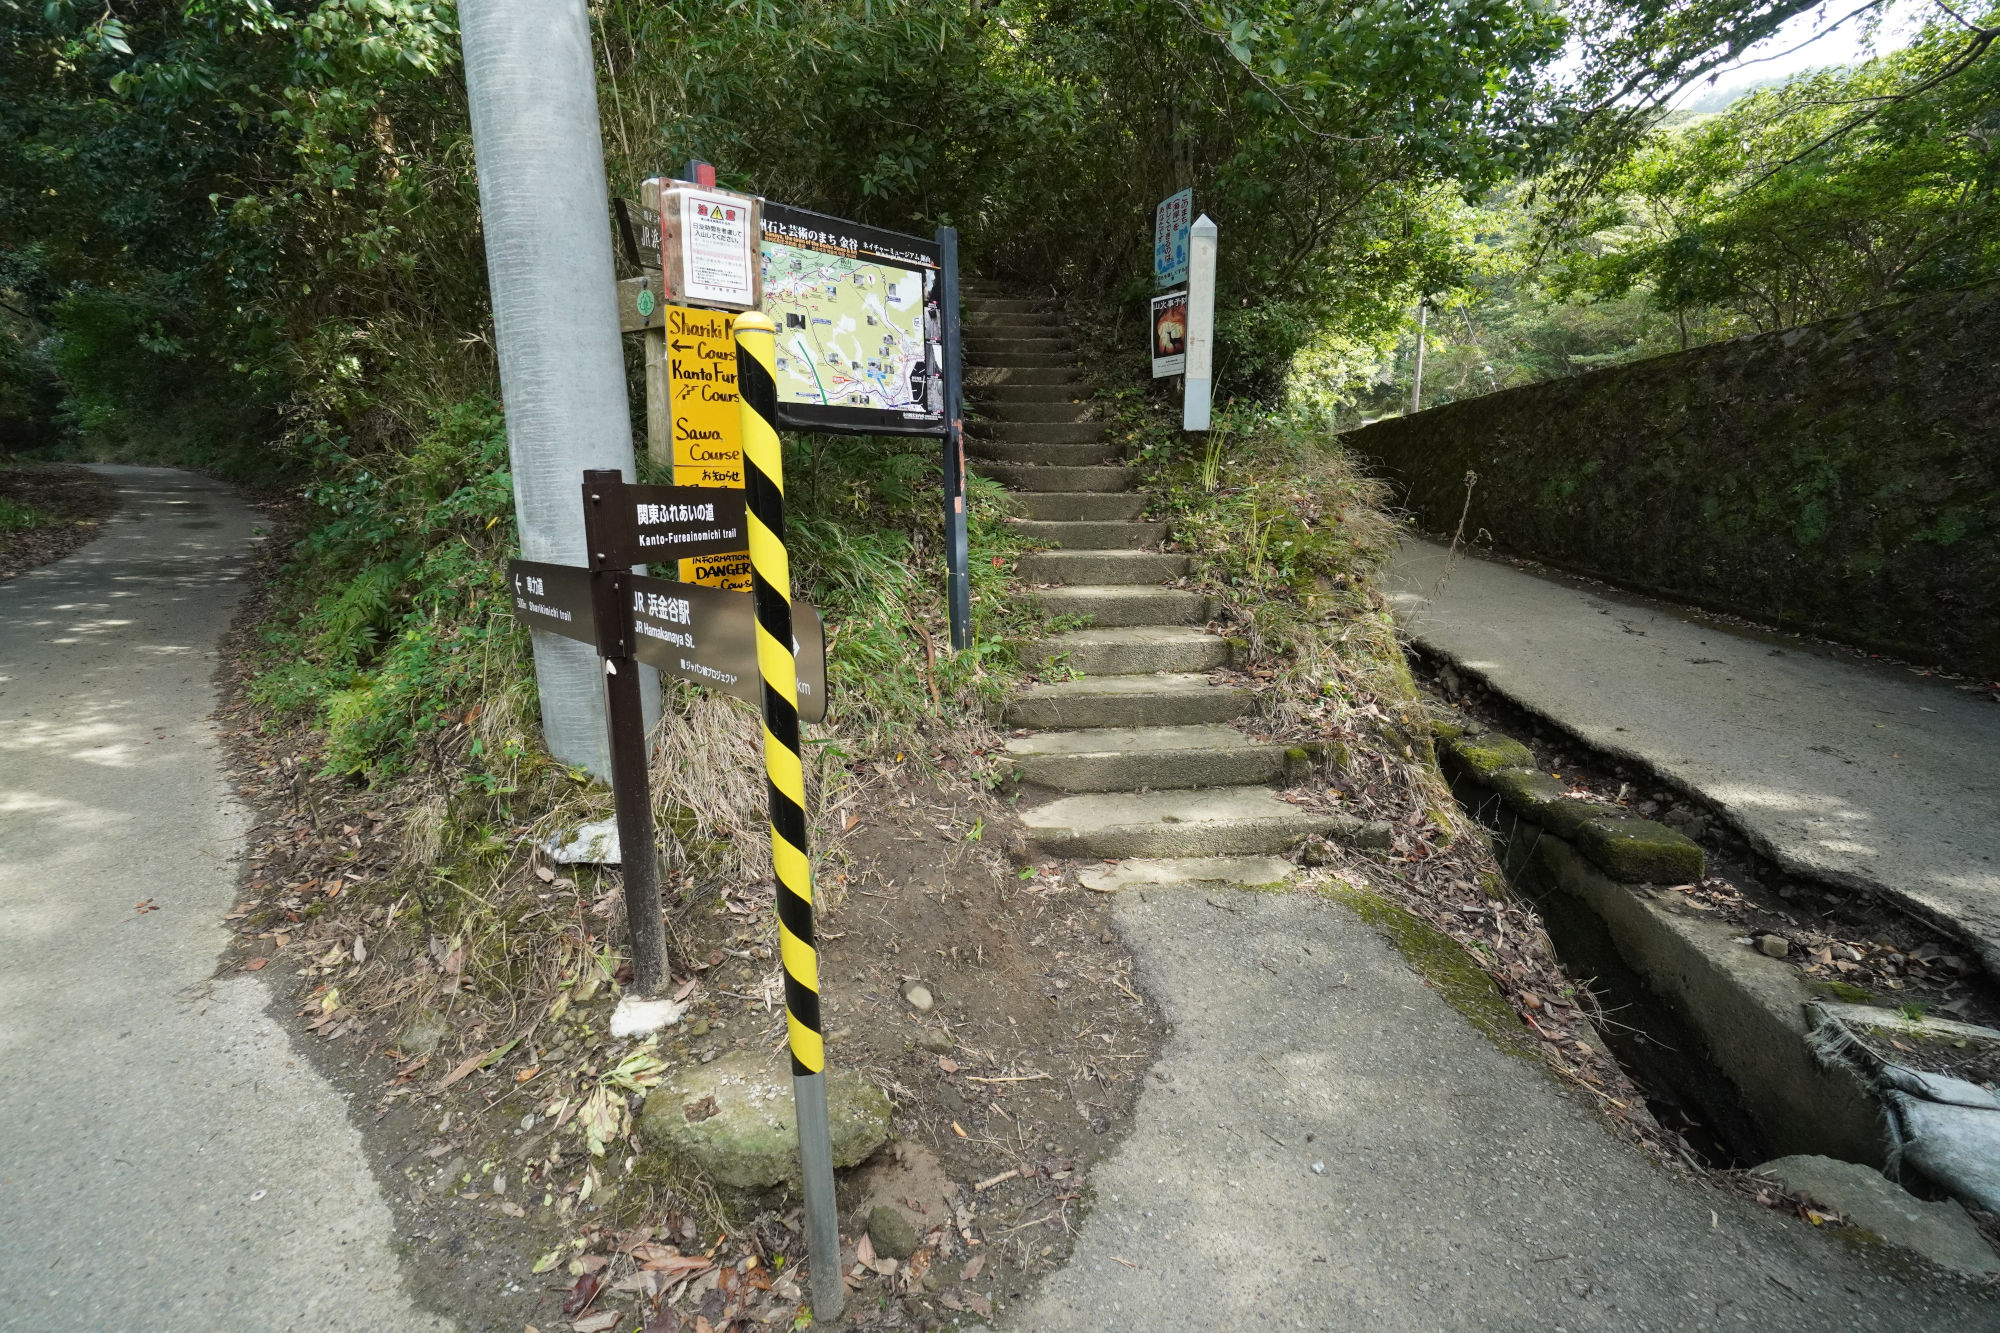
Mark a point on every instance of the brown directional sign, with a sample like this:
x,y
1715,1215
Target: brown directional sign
x,y
636,525
708,636
555,598
696,633
684,521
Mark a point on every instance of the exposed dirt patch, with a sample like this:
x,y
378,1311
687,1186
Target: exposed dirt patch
x,y
68,507
1026,1068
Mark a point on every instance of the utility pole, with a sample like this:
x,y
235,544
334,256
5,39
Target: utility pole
x,y
532,90
1417,382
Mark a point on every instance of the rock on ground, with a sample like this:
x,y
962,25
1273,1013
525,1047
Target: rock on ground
x,y
734,1119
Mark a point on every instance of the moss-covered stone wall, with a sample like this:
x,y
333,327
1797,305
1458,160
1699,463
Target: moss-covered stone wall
x,y
1843,477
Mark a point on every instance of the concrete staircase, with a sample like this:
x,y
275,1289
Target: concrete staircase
x,y
1126,722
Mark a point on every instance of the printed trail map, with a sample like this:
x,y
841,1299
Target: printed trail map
x,y
850,332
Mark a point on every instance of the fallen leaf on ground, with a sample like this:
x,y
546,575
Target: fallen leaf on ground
x,y
470,1063
255,964
972,1267
979,1305
582,1294
947,1064
864,1250
600,1322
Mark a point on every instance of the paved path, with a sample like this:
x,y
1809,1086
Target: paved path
x,y
1462,1189
1858,773
167,1163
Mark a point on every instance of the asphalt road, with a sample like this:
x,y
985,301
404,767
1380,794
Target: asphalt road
x,y
1326,1145
168,1162
1858,773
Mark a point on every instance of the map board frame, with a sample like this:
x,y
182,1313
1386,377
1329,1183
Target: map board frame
x,y
797,229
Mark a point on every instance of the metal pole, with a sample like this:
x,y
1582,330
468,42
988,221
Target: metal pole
x,y
1417,381
957,554
604,506
784,772
532,92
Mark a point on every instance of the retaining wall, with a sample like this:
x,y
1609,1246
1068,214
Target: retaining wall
x,y
1842,477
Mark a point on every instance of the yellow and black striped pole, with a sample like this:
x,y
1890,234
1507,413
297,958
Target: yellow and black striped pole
x,y
784,772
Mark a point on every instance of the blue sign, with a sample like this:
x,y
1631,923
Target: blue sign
x,y
1170,238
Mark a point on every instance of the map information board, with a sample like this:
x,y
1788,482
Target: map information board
x,y
859,347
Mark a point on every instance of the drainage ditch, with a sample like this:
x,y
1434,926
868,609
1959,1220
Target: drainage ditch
x,y
1707,1017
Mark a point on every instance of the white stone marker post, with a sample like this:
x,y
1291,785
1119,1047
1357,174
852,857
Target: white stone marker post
x,y
1199,380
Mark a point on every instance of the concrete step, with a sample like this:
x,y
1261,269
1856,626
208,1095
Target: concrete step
x,y
1190,872
1135,758
981,379
1038,432
1034,477
995,396
1078,506
1002,360
1110,604
1127,536
1126,701
1101,567
1211,821
1129,650
1060,455
1063,411
980,342
1002,305
1019,323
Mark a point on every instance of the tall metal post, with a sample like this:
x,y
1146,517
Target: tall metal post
x,y
957,553
532,92
605,505
784,773
1417,380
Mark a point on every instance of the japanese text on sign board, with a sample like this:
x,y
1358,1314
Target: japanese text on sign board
x,y
1170,238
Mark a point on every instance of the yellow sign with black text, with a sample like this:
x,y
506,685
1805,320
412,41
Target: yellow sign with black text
x,y
705,419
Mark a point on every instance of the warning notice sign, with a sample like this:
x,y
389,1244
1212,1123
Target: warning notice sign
x,y
716,248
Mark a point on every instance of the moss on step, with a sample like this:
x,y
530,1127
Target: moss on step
x,y
1637,851
1845,992
1483,756
1537,796
1441,961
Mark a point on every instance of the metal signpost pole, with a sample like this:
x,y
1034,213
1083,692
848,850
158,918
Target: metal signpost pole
x,y
784,770
1199,381
606,512
957,554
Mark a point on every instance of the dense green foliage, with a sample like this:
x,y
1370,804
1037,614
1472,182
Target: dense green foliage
x,y
1825,195
243,234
